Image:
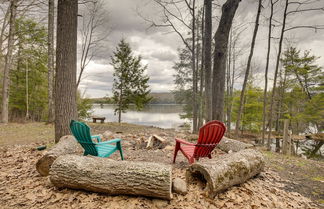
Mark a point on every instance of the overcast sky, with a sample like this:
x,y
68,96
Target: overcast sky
x,y
158,46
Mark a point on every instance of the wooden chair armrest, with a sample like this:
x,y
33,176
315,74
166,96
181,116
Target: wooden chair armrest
x,y
184,142
96,137
110,142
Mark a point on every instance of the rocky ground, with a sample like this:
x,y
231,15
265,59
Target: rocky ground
x,y
22,187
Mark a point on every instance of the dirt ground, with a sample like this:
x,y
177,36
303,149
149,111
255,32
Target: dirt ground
x,y
286,182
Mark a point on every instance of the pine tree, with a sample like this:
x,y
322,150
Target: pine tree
x,y
130,84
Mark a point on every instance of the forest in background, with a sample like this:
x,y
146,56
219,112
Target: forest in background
x,y
216,75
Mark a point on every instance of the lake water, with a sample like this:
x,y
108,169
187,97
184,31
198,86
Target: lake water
x,y
163,116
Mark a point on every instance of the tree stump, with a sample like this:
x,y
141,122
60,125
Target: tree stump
x,y
228,170
156,141
66,145
112,177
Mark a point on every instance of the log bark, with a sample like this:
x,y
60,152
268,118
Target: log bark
x,y
112,177
227,144
66,145
229,170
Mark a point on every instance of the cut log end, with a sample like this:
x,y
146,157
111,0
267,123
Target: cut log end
x,y
230,170
66,145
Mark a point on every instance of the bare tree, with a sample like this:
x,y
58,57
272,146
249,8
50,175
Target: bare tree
x,y
4,26
8,62
235,51
264,114
66,58
220,52
50,64
93,18
174,18
247,71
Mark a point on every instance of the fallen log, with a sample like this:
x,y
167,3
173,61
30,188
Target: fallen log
x,y
228,145
112,177
227,171
66,145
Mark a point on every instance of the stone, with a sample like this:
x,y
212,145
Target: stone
x,y
160,203
169,148
179,186
108,135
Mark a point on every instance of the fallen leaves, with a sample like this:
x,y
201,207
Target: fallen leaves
x,y
22,187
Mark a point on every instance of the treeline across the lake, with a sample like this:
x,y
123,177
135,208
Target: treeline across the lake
x,y
157,98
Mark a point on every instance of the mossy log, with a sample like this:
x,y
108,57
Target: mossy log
x,y
66,145
112,177
228,170
227,144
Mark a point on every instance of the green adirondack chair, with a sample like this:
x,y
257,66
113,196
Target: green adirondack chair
x,y
101,149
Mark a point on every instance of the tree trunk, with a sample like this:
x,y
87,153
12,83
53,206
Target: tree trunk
x,y
112,177
194,71
247,71
230,170
120,102
228,85
266,75
286,145
231,89
276,73
50,64
66,145
207,58
201,74
8,63
66,58
221,43
317,147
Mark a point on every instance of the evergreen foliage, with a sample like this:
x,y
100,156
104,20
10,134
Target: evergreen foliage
x,y
29,72
130,84
84,106
304,93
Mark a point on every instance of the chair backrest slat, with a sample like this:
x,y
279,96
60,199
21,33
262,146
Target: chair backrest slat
x,y
209,136
82,134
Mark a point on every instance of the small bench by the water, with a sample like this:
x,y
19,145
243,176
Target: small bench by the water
x,y
102,119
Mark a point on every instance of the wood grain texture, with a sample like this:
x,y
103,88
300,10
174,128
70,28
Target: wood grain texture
x,y
228,170
112,177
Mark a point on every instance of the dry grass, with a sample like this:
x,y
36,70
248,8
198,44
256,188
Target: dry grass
x,y
26,133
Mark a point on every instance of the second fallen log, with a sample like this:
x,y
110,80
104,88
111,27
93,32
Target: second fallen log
x,y
228,170
112,177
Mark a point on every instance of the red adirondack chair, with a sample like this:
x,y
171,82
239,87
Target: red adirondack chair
x,y
209,136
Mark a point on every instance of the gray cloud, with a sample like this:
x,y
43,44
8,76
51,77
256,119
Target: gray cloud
x,y
158,47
